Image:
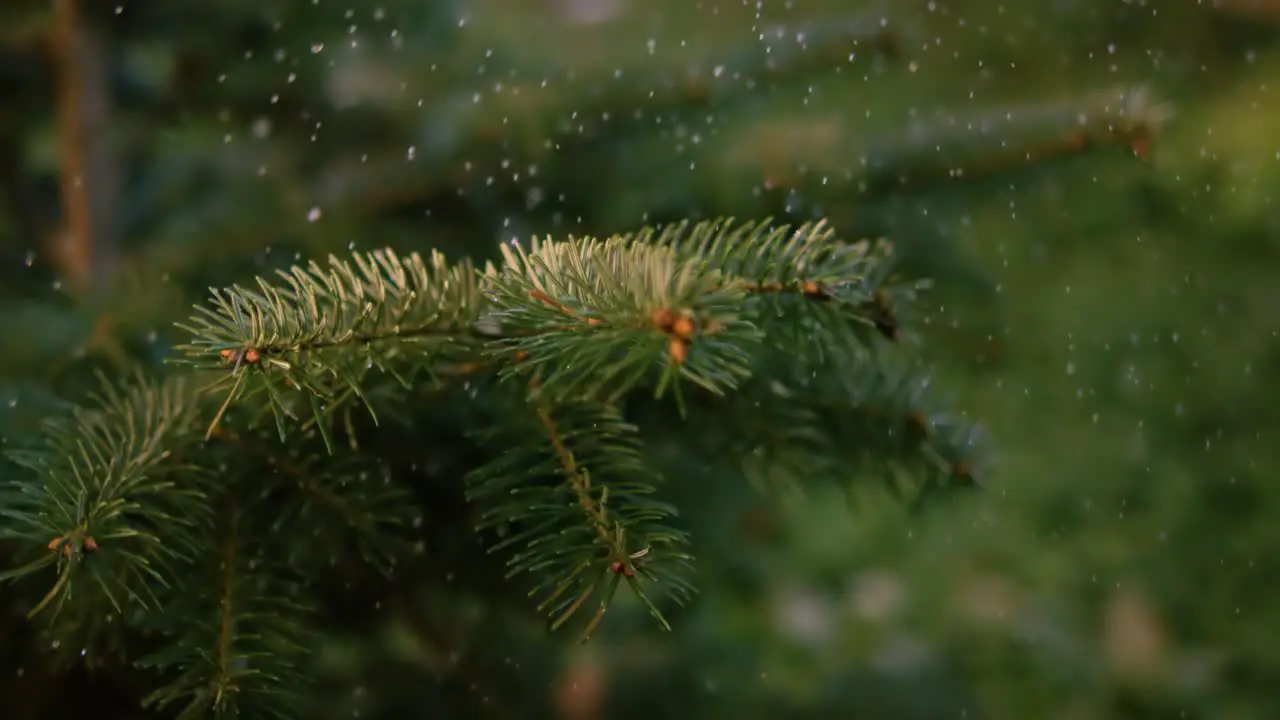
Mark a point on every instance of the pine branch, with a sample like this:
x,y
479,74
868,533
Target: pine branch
x,y
585,321
807,290
950,147
322,330
776,326
1264,10
238,635
345,501
872,419
681,304
591,316
576,509
524,114
101,499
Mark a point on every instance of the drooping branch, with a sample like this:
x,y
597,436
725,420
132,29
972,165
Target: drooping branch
x,y
570,496
238,631
99,486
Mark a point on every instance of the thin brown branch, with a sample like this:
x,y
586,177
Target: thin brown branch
x,y
227,618
579,481
1265,10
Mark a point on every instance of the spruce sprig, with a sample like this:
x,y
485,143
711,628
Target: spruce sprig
x,y
768,333
581,322
591,317
322,330
238,637
109,476
814,296
877,419
577,510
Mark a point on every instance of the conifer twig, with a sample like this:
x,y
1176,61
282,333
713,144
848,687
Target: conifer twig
x,y
723,307
582,322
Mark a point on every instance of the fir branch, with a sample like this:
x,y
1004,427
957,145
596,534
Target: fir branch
x,y
524,115
871,420
993,139
237,638
578,510
321,330
586,321
100,500
343,501
1264,10
591,316
588,317
949,147
808,289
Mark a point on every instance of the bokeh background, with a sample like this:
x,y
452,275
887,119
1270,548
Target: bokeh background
x,y
1093,186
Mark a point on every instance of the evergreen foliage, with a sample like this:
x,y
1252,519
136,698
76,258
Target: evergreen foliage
x,y
147,513
334,489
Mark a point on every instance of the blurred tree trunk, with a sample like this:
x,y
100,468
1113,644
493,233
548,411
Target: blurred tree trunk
x,y
84,246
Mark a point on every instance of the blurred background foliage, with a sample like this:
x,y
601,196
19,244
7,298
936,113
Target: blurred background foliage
x,y
1092,185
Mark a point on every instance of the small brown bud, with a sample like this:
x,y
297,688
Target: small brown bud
x,y
679,349
664,319
683,327
815,291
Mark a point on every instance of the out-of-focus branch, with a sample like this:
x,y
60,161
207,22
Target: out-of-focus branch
x,y
85,245
1267,10
579,694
